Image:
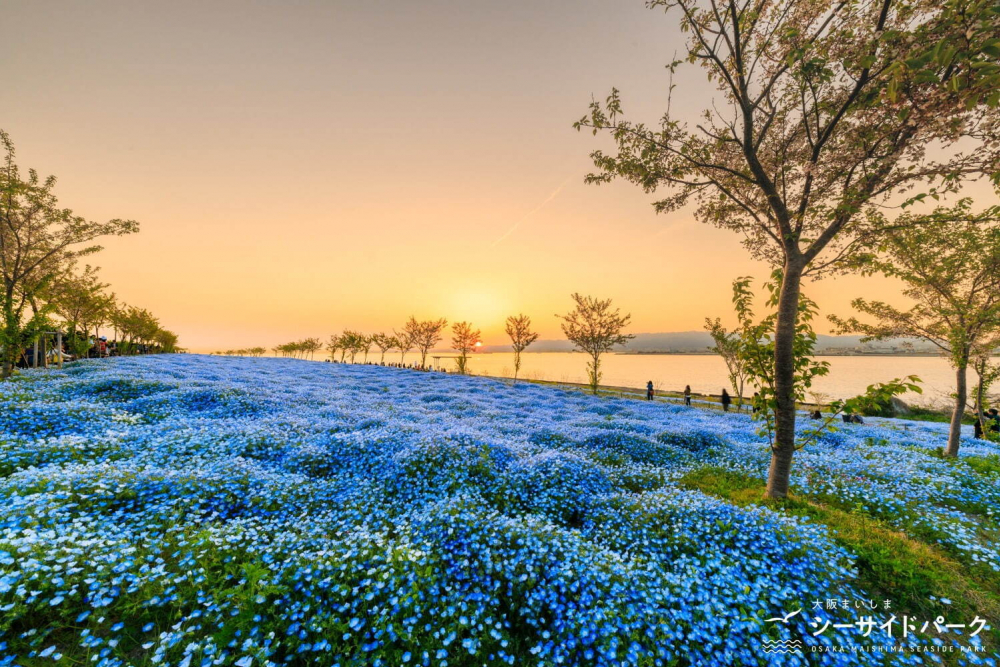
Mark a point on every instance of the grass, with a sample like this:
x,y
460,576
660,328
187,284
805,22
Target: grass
x,y
984,465
939,415
891,565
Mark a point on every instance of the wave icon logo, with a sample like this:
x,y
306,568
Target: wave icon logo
x,y
782,646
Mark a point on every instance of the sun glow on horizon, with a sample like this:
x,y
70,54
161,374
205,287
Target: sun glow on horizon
x,y
481,305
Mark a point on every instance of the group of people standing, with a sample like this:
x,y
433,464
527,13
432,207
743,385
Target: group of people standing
x,y
987,424
651,392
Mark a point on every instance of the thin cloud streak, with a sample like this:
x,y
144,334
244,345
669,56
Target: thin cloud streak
x,y
552,195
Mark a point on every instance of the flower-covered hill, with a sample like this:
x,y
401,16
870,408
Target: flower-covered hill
x,y
187,510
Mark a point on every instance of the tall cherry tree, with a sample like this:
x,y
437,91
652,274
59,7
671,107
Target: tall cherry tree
x,y
816,115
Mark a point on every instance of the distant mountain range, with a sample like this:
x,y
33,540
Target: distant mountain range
x,y
687,342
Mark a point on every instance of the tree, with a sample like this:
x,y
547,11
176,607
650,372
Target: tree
x,y
464,341
137,326
332,346
80,300
37,239
821,114
310,346
425,335
364,345
384,343
521,336
167,340
949,264
727,346
595,329
405,340
301,349
352,343
102,316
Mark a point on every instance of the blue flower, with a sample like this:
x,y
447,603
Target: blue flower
x,y
248,510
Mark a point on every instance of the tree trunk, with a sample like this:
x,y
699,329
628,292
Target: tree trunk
x,y
980,391
8,361
11,341
955,433
596,380
784,383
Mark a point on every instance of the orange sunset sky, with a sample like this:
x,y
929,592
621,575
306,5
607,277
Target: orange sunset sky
x,y
300,167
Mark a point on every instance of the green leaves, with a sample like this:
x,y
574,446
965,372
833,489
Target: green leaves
x,y
595,328
991,48
39,242
753,345
949,263
877,395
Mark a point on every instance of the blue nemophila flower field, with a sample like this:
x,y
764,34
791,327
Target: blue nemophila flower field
x,y
193,511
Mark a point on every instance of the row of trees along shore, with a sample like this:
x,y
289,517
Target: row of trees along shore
x,y
44,286
422,335
593,326
821,123
954,281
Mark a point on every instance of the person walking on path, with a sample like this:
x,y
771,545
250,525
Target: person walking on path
x,y
726,400
649,390
687,395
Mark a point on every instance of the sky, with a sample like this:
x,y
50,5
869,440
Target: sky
x,y
301,167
